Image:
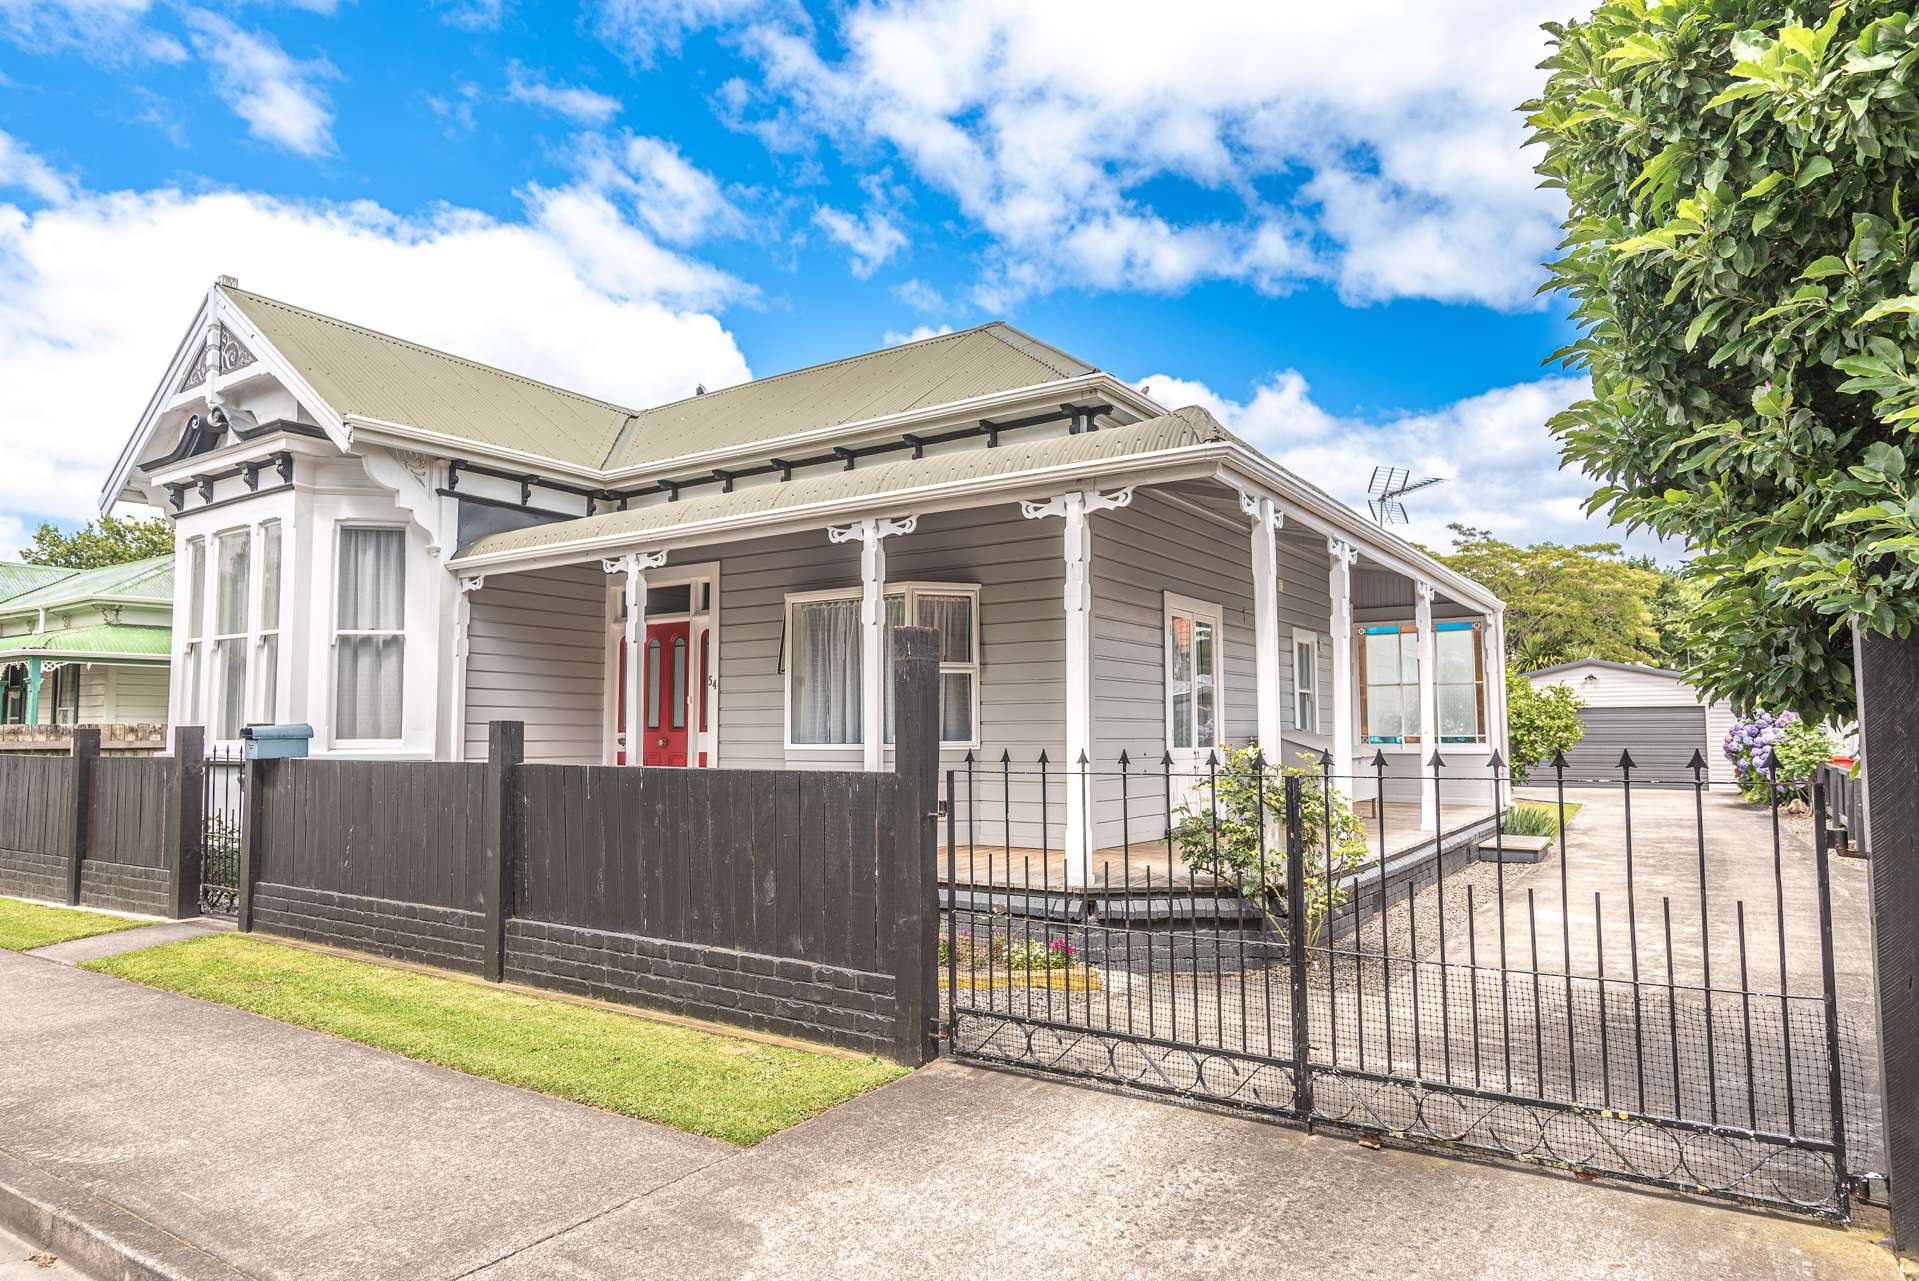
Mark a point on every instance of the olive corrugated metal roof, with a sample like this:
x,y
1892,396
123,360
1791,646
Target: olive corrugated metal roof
x,y
363,373
17,577
99,639
1189,426
359,371
916,375
149,579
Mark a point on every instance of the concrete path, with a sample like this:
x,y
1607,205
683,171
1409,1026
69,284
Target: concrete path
x,y
282,1153
16,1262
78,951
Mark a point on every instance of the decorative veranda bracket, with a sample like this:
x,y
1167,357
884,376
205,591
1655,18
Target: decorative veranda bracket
x,y
1092,500
883,527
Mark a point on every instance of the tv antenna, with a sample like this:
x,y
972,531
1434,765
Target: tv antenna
x,y
1388,487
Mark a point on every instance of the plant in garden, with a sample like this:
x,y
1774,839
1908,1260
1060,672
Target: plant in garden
x,y
1530,820
1217,829
1540,722
1003,951
1776,755
1742,255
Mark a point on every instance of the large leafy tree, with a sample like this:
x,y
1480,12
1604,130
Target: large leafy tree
x,y
1563,602
112,542
1740,257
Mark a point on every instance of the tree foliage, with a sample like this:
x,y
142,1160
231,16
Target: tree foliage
x,y
1539,723
112,542
1564,603
1740,255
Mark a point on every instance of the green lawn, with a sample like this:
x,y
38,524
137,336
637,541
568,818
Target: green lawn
x,y
1552,808
719,1086
25,926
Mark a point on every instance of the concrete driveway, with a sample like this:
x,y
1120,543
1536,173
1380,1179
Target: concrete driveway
x,y
266,1151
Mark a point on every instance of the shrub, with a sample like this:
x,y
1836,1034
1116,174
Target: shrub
x,y
1531,820
1539,723
1233,852
1776,755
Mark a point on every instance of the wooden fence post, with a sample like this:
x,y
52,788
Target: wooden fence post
x,y
86,750
505,750
1887,671
253,774
916,759
186,840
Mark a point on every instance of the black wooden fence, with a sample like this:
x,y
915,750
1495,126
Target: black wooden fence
x,y
795,902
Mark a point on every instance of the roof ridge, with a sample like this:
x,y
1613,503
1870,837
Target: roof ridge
x,y
457,359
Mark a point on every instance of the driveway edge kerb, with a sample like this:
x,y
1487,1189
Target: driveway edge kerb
x,y
102,1239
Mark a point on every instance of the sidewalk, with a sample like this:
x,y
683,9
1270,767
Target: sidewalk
x,y
282,1153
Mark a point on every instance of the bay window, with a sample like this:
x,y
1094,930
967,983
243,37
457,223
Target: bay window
x,y
230,556
265,708
369,639
824,645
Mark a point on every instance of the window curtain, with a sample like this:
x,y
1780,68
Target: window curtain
x,y
825,656
370,647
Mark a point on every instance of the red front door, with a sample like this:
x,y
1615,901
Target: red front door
x,y
669,669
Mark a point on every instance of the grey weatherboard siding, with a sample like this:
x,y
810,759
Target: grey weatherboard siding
x,y
538,647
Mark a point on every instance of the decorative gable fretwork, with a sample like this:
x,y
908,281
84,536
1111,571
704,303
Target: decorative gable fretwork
x,y
232,355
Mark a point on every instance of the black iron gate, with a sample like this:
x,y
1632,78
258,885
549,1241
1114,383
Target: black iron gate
x,y
1674,1043
225,803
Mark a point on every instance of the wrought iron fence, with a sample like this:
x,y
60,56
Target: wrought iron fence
x,y
1645,1002
222,815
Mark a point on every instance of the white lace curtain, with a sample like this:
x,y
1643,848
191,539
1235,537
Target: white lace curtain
x,y
370,648
825,654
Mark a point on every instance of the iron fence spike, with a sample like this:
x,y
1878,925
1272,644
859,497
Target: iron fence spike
x,y
1698,761
1625,760
1497,761
1559,760
1379,759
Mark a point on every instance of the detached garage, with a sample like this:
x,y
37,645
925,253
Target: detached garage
x,y
1649,711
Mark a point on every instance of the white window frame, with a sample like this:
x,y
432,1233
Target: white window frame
x,y
266,710
1482,677
334,633
1310,688
1363,713
911,591
213,673
193,649
1208,611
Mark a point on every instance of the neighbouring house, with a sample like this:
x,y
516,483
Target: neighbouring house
x,y
399,545
85,646
1649,711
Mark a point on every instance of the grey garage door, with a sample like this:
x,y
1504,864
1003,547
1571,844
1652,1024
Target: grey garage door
x,y
1661,740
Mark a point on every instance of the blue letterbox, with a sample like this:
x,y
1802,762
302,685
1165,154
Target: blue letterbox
x,y
276,742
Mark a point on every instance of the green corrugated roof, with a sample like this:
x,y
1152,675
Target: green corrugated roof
x,y
17,577
361,372
100,639
149,579
1190,426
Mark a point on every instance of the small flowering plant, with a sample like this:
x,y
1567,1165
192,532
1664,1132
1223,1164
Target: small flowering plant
x,y
1776,754
1004,950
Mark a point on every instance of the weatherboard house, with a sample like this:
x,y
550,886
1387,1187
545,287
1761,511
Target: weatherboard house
x,y
398,545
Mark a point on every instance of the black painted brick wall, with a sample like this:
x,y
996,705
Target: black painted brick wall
x,y
30,875
439,936
122,887
848,1008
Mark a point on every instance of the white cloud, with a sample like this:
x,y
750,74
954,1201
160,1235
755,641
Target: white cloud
x,y
105,30
581,106
19,167
14,537
455,109
919,295
638,29
94,294
1500,463
279,97
1372,145
873,237
676,199
894,337
473,15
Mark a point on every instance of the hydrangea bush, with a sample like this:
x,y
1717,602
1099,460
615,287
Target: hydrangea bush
x,y
1776,754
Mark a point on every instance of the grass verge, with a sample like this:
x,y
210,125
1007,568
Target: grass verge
x,y
25,926
719,1086
1550,811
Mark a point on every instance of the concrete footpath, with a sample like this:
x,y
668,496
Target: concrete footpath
x,y
241,1147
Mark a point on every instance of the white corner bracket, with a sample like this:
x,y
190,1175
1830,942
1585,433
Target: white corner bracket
x,y
869,533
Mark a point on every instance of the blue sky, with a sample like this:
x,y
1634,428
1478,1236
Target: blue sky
x,y
1319,224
